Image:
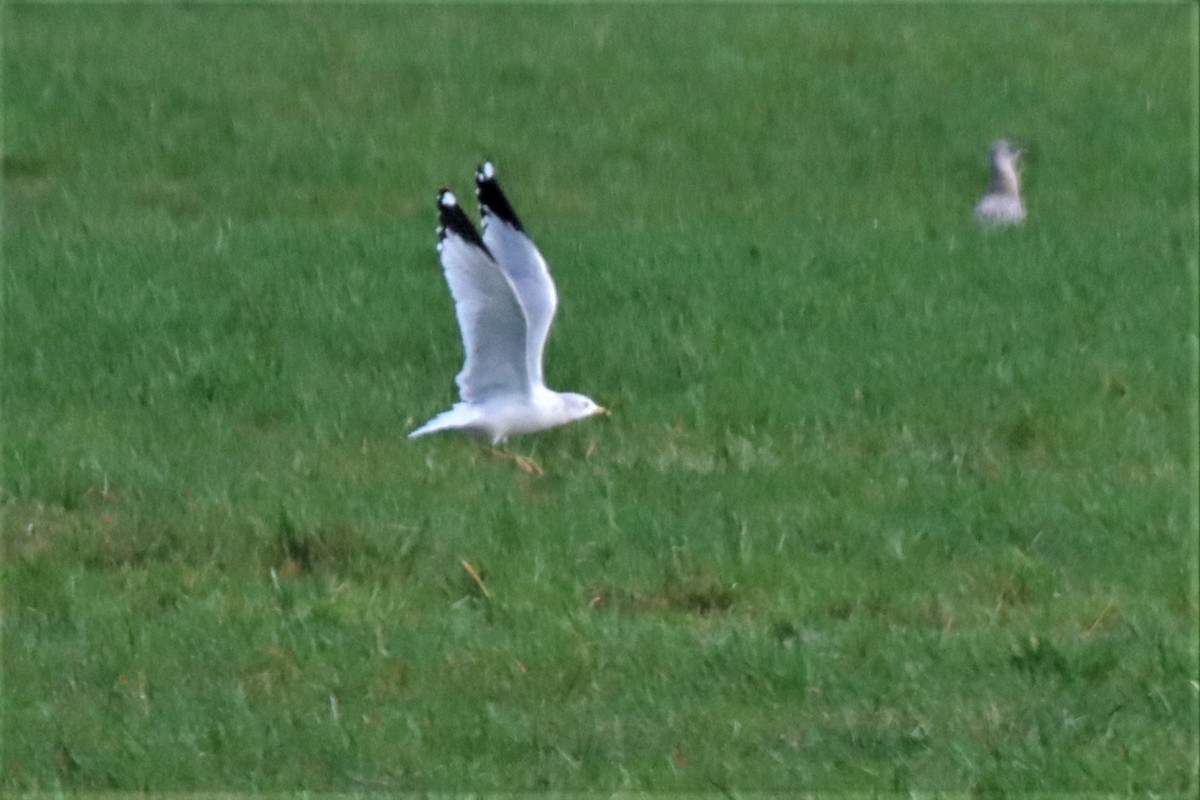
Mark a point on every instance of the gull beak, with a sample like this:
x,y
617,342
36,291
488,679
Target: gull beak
x,y
601,411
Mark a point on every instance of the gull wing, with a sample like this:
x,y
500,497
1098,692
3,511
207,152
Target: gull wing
x,y
489,315
522,263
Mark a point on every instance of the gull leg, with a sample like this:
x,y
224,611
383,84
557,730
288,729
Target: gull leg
x,y
524,463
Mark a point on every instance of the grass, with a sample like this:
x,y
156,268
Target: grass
x,y
886,504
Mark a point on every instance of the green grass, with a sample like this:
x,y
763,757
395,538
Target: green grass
x,y
886,503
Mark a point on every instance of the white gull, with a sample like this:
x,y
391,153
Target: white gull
x,y
505,301
1002,205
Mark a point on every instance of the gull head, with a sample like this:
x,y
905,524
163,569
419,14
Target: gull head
x,y
578,406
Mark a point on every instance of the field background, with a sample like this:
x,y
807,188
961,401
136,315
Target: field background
x,y
885,503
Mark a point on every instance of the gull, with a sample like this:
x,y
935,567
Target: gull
x,y
1002,205
505,301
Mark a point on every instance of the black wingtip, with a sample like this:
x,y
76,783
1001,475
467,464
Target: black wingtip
x,y
453,220
491,197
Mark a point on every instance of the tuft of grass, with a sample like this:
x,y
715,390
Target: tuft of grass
x,y
886,503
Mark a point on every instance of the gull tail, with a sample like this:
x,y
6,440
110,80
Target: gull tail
x,y
453,419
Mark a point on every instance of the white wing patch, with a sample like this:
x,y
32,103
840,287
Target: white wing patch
x,y
489,317
522,262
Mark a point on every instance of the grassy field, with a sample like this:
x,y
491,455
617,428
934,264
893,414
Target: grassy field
x,y
886,503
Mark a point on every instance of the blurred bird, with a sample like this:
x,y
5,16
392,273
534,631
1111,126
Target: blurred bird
x,y
1002,204
505,301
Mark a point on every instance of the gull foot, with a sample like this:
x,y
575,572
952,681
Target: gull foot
x,y
524,463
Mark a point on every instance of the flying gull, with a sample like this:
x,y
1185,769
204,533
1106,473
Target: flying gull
x,y
1002,205
505,301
